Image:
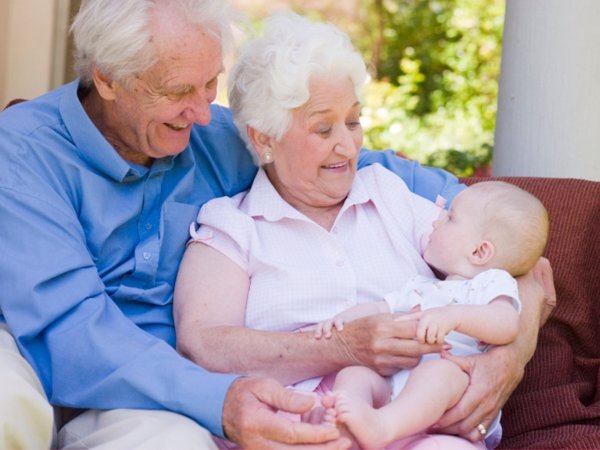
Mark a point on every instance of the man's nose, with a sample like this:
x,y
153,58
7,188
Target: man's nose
x,y
198,111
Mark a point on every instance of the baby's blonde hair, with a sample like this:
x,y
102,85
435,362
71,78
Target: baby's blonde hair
x,y
516,222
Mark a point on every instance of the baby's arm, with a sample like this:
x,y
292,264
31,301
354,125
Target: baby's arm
x,y
323,329
494,323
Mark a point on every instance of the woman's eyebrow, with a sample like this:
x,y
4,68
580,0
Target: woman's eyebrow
x,y
327,110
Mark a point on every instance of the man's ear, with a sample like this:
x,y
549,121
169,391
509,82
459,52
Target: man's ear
x,y
104,85
483,253
260,141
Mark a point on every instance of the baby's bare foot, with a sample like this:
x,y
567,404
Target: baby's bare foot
x,y
330,417
363,421
323,413
315,416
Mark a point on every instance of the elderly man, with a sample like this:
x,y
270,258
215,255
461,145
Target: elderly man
x,y
99,181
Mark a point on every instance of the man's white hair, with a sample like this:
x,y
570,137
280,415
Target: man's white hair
x,y
116,36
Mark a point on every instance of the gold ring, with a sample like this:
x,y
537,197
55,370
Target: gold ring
x,y
482,429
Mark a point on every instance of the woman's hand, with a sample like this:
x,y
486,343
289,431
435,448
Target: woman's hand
x,y
542,275
381,343
250,418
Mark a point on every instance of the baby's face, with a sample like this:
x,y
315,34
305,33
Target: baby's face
x,y
455,235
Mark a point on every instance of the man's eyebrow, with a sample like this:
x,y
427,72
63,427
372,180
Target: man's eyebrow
x,y
219,73
173,91
183,89
179,90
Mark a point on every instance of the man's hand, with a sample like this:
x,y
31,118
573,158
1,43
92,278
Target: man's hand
x,y
250,418
382,343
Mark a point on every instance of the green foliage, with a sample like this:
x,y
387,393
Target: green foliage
x,y
435,66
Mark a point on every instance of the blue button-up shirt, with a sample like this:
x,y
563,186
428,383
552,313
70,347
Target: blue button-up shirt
x,y
89,250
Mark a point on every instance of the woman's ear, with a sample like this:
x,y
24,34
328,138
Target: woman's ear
x,y
260,141
104,86
483,253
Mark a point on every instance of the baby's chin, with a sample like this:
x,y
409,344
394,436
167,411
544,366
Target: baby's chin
x,y
441,274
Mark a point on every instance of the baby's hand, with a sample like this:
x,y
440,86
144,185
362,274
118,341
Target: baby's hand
x,y
324,329
435,324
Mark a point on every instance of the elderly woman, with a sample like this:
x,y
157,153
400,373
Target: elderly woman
x,y
314,236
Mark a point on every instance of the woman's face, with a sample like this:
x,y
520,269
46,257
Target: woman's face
x,y
315,161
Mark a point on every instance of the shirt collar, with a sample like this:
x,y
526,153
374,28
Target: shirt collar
x,y
94,147
263,200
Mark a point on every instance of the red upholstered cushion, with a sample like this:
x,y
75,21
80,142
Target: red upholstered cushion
x,y
14,102
557,405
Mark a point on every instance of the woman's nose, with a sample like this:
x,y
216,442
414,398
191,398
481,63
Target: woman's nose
x,y
341,149
346,145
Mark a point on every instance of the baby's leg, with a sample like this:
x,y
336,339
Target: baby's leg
x,y
432,388
363,386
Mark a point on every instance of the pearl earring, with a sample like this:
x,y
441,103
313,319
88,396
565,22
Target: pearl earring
x,y
267,157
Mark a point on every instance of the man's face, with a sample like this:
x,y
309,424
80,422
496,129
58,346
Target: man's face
x,y
152,116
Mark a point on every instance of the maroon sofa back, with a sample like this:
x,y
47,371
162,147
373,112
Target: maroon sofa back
x,y
557,405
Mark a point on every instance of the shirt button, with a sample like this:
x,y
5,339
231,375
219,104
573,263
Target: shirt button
x,y
148,226
146,255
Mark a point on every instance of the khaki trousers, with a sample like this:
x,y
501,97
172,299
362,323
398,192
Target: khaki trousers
x,y
133,429
27,419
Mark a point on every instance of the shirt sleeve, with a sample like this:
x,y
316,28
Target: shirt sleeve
x,y
87,353
428,182
224,227
494,283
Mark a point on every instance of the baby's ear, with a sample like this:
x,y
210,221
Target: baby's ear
x,y
483,253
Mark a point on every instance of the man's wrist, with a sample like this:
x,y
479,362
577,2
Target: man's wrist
x,y
230,396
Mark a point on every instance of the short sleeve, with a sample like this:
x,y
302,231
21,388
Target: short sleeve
x,y
494,283
403,300
223,226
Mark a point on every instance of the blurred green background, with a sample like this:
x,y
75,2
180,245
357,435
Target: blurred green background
x,y
435,66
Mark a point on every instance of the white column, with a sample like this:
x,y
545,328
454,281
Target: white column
x,y
27,53
548,121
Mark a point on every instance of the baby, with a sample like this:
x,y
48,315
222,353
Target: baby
x,y
493,232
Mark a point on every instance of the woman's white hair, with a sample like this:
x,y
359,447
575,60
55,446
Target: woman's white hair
x,y
271,75
116,37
